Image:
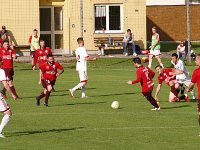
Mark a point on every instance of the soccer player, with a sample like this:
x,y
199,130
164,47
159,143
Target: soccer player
x,y
81,67
196,79
50,71
169,78
41,56
155,48
34,42
145,77
182,74
4,108
7,55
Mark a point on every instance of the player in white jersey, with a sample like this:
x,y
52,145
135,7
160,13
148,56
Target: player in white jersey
x,y
182,74
4,108
81,67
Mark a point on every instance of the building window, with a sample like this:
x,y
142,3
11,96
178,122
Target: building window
x,y
108,18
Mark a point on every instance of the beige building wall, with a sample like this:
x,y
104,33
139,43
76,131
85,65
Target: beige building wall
x,y
20,18
134,18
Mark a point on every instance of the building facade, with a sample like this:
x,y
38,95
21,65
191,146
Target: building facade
x,y
61,22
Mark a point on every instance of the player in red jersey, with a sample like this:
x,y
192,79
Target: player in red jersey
x,y
169,78
145,77
50,71
196,79
7,55
41,56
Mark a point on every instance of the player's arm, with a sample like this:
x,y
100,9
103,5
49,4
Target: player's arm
x,y
90,58
193,81
137,80
35,59
157,91
60,70
5,84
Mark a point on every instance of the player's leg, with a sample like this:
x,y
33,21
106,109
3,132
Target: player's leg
x,y
42,94
83,81
187,83
125,48
157,53
12,87
199,113
150,98
150,60
7,113
48,92
40,77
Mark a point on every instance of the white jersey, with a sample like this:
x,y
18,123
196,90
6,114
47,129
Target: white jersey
x,y
181,66
81,55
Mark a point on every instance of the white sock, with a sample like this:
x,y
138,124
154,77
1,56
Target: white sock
x,y
77,86
83,90
4,122
162,65
192,92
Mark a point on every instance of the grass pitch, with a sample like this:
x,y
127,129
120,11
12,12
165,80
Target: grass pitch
x,y
91,123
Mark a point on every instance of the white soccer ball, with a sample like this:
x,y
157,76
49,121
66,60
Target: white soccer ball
x,y
115,105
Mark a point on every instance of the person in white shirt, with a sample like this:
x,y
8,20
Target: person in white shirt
x,y
180,50
4,108
81,67
182,74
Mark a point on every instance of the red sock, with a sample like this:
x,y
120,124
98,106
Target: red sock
x,y
47,96
12,88
41,95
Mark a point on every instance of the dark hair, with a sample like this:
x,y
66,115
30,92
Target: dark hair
x,y
137,60
35,30
129,30
154,28
79,39
174,55
49,55
5,41
158,66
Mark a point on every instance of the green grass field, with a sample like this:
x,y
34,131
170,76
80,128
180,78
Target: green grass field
x,y
91,124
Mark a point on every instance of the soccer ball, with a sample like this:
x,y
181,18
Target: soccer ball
x,y
145,59
115,105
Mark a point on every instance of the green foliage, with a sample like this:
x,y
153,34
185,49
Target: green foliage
x,y
91,124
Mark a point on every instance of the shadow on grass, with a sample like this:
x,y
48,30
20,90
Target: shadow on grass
x,y
22,133
182,106
104,95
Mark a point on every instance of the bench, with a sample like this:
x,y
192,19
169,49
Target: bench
x,y
108,43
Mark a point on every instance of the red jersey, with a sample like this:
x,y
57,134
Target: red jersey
x,y
49,71
7,57
196,79
1,41
41,56
144,76
167,73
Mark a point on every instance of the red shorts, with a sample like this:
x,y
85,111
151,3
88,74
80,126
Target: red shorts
x,y
9,73
32,54
46,82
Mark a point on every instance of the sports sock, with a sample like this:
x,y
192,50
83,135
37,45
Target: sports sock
x,y
4,122
192,92
41,95
47,96
3,91
173,90
83,90
12,88
77,86
154,103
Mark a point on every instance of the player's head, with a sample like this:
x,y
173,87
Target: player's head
x,y
197,60
181,43
154,30
80,41
3,28
174,57
129,31
42,43
137,61
50,59
159,69
6,44
35,32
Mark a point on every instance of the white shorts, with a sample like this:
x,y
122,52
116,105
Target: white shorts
x,y
3,105
183,81
83,76
155,53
